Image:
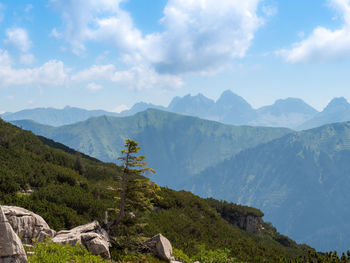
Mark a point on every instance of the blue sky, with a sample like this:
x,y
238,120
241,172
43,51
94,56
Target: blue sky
x,y
110,54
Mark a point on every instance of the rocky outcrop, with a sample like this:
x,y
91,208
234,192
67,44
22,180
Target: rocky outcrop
x,y
27,225
249,223
11,248
91,235
160,246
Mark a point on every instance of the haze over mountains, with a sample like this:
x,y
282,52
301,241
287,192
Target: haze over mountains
x,y
228,109
300,179
176,146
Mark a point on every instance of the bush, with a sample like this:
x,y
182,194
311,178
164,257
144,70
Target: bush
x,y
50,252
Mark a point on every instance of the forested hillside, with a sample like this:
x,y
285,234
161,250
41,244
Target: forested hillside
x,y
68,188
301,181
176,146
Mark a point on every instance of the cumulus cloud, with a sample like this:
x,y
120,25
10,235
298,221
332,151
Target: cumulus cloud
x,y
93,86
5,59
323,44
137,78
95,72
18,37
52,73
27,59
198,35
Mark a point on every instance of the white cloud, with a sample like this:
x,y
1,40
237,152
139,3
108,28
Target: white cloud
x,y
323,44
52,73
18,38
27,59
202,35
93,86
137,78
269,10
120,108
144,77
5,59
103,72
198,35
54,33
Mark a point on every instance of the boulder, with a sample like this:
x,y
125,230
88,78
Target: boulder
x,y
160,246
11,248
27,225
91,235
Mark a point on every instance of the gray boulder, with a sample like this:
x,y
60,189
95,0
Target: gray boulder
x,y
160,246
91,235
11,248
27,225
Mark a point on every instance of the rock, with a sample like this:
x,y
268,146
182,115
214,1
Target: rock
x,y
11,248
27,225
160,247
250,223
91,235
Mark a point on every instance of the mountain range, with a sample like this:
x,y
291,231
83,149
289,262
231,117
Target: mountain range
x,y
230,108
177,146
300,179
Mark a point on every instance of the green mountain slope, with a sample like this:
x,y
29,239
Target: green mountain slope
x,y
176,146
301,181
66,196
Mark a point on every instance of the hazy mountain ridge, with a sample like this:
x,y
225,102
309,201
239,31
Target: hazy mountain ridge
x,y
228,109
55,117
338,110
177,146
300,180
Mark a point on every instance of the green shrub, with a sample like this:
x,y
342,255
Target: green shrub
x,y
180,255
133,257
50,252
213,256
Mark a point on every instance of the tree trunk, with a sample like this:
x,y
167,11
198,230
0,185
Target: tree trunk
x,y
122,199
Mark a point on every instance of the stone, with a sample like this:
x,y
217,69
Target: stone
x,y
91,235
160,246
27,225
11,248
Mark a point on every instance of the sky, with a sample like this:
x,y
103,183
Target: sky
x,y
110,54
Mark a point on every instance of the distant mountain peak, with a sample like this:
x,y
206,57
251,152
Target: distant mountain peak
x,y
288,105
337,102
230,98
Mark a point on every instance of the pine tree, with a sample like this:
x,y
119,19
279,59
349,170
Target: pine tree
x,y
137,192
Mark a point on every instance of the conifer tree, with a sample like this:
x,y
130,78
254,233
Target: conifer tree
x,y
137,192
